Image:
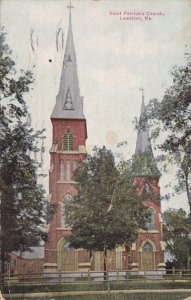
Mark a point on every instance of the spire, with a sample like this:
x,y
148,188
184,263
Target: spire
x,y
144,163
69,103
143,144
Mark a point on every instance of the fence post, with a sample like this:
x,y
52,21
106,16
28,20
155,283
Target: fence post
x,y
173,274
29,278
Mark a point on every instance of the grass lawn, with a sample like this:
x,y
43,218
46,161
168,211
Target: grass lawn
x,y
100,290
100,286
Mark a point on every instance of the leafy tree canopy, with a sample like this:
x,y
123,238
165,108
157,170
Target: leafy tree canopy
x,y
106,212
171,120
22,197
177,226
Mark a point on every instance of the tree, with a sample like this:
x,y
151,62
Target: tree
x,y
22,197
172,118
176,230
107,212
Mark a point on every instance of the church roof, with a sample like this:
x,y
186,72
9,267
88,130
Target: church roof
x,y
69,103
144,163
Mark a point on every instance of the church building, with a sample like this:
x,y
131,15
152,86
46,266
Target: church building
x,y
69,134
147,253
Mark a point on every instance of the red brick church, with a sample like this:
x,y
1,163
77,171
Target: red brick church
x,y
69,136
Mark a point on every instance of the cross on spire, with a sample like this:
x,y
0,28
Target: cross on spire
x,y
70,8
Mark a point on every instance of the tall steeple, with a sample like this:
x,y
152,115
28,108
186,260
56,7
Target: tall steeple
x,y
69,134
144,162
143,144
69,103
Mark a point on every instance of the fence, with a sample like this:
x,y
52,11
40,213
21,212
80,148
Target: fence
x,y
128,279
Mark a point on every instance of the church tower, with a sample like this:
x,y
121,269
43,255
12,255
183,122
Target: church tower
x,y
147,253
68,147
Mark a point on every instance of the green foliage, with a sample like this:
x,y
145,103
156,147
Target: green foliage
x,y
50,212
22,197
106,212
176,230
171,119
144,165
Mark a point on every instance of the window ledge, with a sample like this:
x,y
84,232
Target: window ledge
x,y
70,152
68,182
155,251
148,231
64,228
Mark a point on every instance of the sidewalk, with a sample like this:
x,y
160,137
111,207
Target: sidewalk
x,y
56,294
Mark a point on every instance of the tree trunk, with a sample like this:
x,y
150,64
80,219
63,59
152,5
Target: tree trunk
x,y
105,263
106,274
90,254
91,258
2,267
188,190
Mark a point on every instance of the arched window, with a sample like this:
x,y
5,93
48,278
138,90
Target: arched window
x,y
63,215
67,198
67,247
151,223
62,171
68,170
74,165
68,141
147,247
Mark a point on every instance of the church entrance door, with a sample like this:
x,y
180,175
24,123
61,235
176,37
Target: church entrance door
x,y
69,259
147,257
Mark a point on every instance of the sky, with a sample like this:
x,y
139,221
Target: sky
x,y
121,47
